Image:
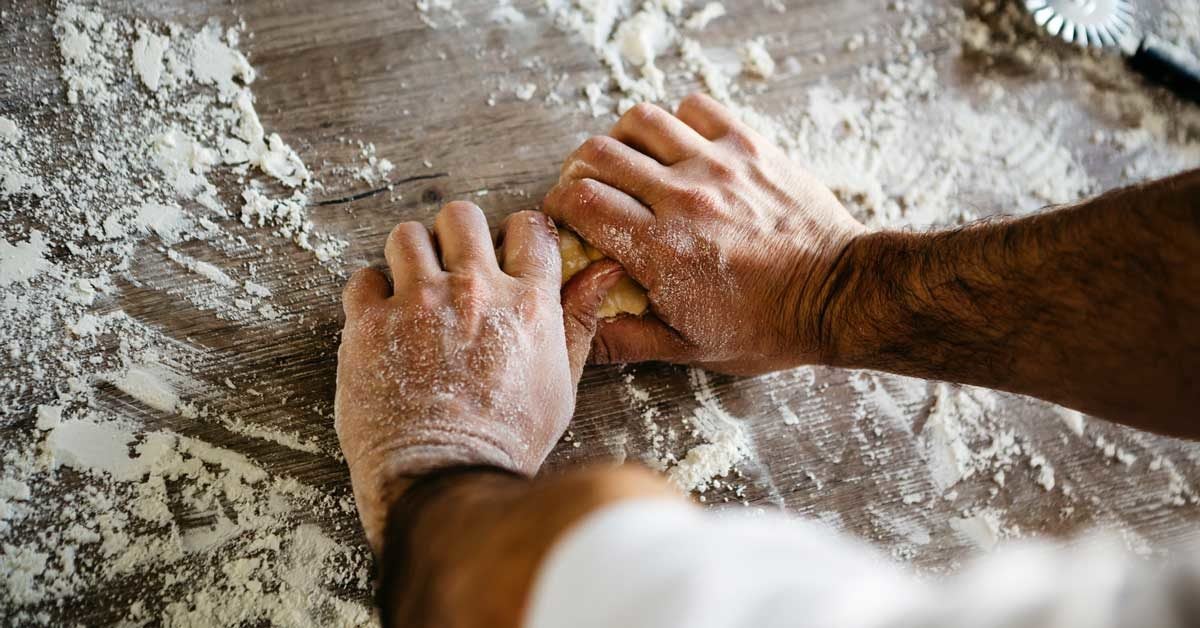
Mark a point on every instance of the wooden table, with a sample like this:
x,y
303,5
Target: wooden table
x,y
371,70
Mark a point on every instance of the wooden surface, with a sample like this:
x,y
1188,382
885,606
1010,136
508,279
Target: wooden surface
x,y
372,71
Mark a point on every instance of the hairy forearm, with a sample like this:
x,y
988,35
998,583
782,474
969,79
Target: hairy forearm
x,y
462,550
1093,306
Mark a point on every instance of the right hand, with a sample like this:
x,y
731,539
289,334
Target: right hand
x,y
733,241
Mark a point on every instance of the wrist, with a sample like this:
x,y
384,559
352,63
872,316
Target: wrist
x,y
821,290
381,478
463,546
427,540
864,288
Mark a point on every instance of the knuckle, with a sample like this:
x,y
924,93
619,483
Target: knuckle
x,y
601,350
576,167
745,144
695,100
554,197
468,284
721,172
354,286
582,322
696,198
595,149
582,191
533,301
424,296
355,283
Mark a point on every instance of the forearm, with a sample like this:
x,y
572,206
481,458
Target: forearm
x,y
464,550
1093,306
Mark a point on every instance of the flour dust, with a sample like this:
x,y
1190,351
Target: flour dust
x,y
100,498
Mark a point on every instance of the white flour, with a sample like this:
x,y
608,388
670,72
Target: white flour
x,y
9,131
155,161
756,60
22,261
148,57
92,490
700,18
726,442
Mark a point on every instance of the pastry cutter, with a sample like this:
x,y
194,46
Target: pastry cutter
x,y
1111,24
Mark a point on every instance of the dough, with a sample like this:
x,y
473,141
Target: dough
x,y
626,297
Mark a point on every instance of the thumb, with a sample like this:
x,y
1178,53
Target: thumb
x,y
639,339
581,299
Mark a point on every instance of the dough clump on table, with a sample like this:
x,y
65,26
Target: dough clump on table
x,y
626,297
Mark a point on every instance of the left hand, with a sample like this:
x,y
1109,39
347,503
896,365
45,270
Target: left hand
x,y
468,358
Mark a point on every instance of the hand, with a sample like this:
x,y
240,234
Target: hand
x,y
733,241
460,362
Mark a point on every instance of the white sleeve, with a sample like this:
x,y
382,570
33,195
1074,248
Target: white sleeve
x,y
662,563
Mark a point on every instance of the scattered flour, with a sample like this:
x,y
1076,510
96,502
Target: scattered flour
x,y
702,17
757,60
1073,419
427,9
289,218
22,261
957,423
96,488
143,384
168,221
1045,472
9,131
525,91
725,442
506,14
620,36
984,528
148,53
216,539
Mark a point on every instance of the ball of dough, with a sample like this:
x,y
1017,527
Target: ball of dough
x,y
626,297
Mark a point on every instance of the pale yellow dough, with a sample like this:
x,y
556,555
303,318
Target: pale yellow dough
x,y
626,297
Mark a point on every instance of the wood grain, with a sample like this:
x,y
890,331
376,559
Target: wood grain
x,y
371,70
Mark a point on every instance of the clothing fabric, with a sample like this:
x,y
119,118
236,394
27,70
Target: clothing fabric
x,y
663,563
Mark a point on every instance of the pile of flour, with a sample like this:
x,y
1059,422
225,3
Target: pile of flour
x,y
96,192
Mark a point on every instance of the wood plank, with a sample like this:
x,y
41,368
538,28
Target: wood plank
x,y
372,71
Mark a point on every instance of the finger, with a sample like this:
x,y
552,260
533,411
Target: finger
x,y
581,299
607,218
609,161
463,237
707,116
366,287
650,129
530,247
638,339
410,253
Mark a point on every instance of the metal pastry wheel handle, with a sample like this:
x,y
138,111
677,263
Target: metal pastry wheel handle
x,y
1111,24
